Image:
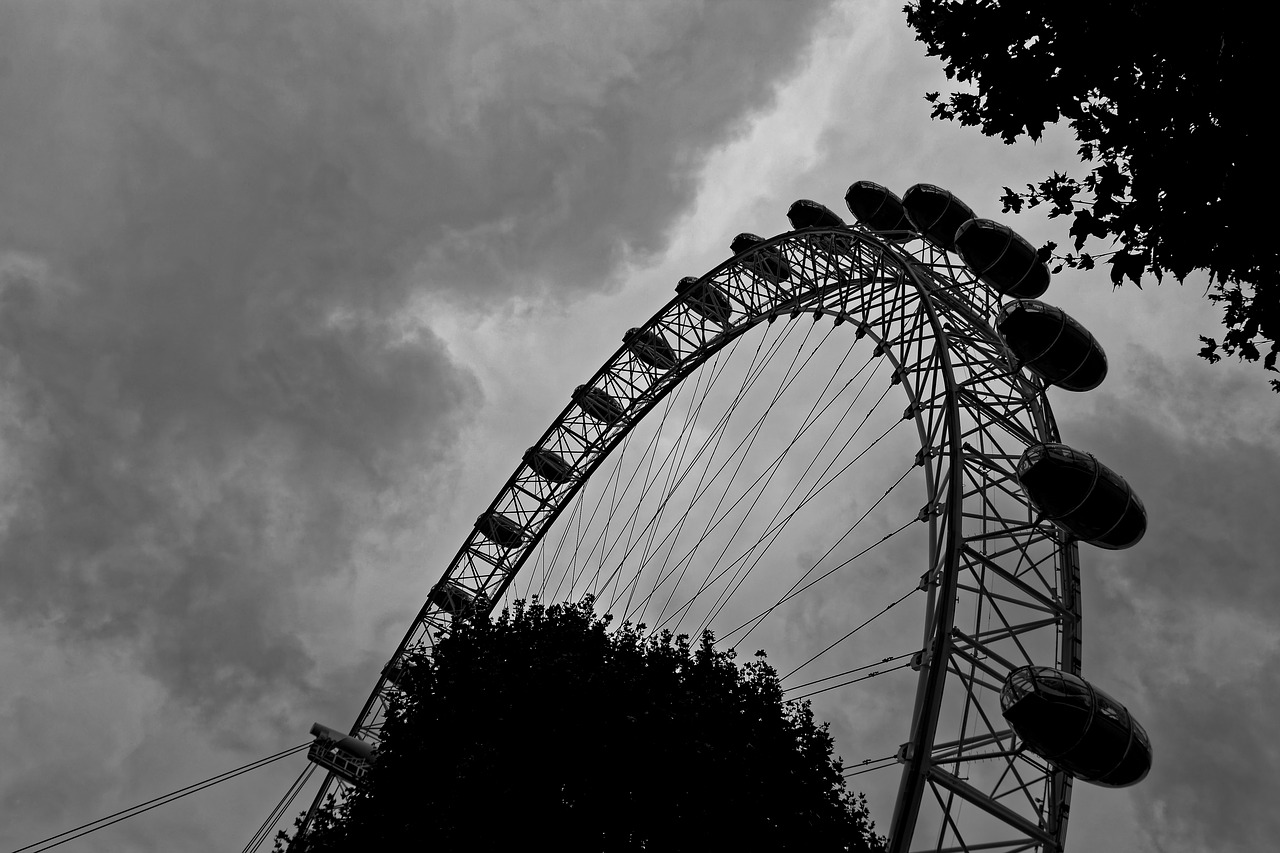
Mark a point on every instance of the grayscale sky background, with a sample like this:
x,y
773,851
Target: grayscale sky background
x,y
287,287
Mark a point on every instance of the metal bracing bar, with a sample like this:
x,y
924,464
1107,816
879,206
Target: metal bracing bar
x,y
948,822
976,740
994,736
1047,534
986,462
984,487
980,756
951,756
975,661
997,810
1009,457
1021,548
543,500
1015,846
1028,527
694,328
982,647
1025,787
980,386
1002,597
983,376
994,600
1016,429
1011,766
1005,633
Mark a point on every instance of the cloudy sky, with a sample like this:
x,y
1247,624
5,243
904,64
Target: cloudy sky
x,y
287,287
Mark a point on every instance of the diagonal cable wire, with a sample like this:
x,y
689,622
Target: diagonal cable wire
x,y
864,624
281,809
155,802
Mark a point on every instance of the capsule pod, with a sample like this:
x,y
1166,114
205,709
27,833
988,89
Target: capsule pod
x,y
705,298
451,597
397,670
878,208
548,465
651,348
1053,346
1002,258
767,263
340,740
500,530
805,213
1066,720
344,755
598,404
810,214
936,213
1082,496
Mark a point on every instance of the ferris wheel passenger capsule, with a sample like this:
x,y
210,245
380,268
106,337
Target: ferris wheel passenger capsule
x,y
548,465
805,213
347,756
879,209
500,530
1082,496
451,597
1066,720
936,213
811,214
1002,258
706,299
767,263
598,404
1052,345
651,348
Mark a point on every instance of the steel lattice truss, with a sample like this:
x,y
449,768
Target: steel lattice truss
x,y
1002,586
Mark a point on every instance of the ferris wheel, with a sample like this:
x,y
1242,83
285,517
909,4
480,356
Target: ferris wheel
x,y
837,445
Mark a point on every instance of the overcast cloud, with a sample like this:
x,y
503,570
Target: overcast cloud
x,y
215,219
265,270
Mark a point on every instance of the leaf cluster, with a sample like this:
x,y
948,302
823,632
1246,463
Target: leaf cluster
x,y
544,727
1164,109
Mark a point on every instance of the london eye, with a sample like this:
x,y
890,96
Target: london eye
x,y
830,413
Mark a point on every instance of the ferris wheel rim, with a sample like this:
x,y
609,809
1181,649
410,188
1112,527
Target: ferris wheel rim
x,y
793,301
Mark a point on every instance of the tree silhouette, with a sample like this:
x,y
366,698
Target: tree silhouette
x,y
542,728
1168,113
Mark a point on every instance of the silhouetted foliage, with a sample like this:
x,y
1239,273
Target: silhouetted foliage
x,y
1166,108
543,729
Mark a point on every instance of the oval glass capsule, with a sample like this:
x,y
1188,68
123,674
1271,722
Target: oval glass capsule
x,y
598,404
705,298
651,348
500,530
341,740
548,465
450,597
806,213
398,670
346,756
879,209
1002,258
1066,720
1052,345
767,263
936,213
1082,496
810,214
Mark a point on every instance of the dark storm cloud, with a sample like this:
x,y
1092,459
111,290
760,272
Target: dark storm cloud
x,y
1185,622
216,220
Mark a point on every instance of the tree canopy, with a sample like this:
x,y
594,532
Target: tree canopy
x,y
544,728
1159,102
